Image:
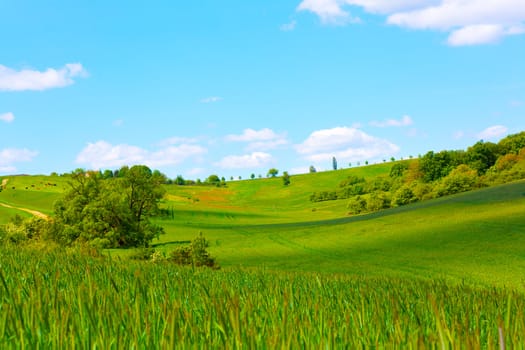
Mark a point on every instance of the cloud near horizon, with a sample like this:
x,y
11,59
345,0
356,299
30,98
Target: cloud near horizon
x,y
102,154
467,22
33,80
493,132
10,156
404,121
259,140
248,161
346,144
7,117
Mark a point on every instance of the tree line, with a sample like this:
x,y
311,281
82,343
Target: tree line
x,y
435,174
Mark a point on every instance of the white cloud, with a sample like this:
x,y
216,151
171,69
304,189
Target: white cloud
x,y
404,121
7,117
477,34
493,132
329,11
259,140
10,156
469,22
391,6
253,160
288,27
346,144
102,154
196,171
211,99
26,79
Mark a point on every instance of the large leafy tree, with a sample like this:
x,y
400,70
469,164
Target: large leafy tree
x,y
110,213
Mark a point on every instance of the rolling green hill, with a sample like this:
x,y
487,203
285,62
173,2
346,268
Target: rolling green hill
x,y
477,237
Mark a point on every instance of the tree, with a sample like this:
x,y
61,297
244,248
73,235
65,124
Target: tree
x,y
286,178
513,143
272,172
312,169
482,155
334,163
179,180
109,213
398,170
252,176
213,180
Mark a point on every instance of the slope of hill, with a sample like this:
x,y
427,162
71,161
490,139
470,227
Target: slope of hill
x,y
475,236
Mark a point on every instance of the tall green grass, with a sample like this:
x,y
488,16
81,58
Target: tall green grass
x,y
62,299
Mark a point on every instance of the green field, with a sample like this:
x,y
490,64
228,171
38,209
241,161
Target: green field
x,y
443,272
475,236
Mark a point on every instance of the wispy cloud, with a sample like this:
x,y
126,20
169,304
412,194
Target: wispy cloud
x,y
288,27
348,144
211,99
468,22
404,121
253,160
493,132
7,117
176,140
118,122
458,135
10,156
27,79
260,140
103,154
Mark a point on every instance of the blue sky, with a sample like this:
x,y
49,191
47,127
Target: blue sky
x,y
237,87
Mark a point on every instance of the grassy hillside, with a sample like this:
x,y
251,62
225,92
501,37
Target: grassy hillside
x,y
446,272
32,192
476,236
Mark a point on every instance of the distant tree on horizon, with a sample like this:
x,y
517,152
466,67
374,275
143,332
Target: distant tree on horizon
x,y
286,178
273,172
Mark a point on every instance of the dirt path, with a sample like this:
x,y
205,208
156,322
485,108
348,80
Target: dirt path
x,y
32,212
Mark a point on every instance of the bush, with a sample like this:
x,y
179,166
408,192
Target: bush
x,y
194,255
378,201
143,254
461,179
357,205
403,196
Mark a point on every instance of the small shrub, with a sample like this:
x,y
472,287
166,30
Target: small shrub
x,y
143,254
357,205
195,254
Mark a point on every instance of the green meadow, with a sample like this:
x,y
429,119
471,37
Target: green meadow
x,y
447,272
475,236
